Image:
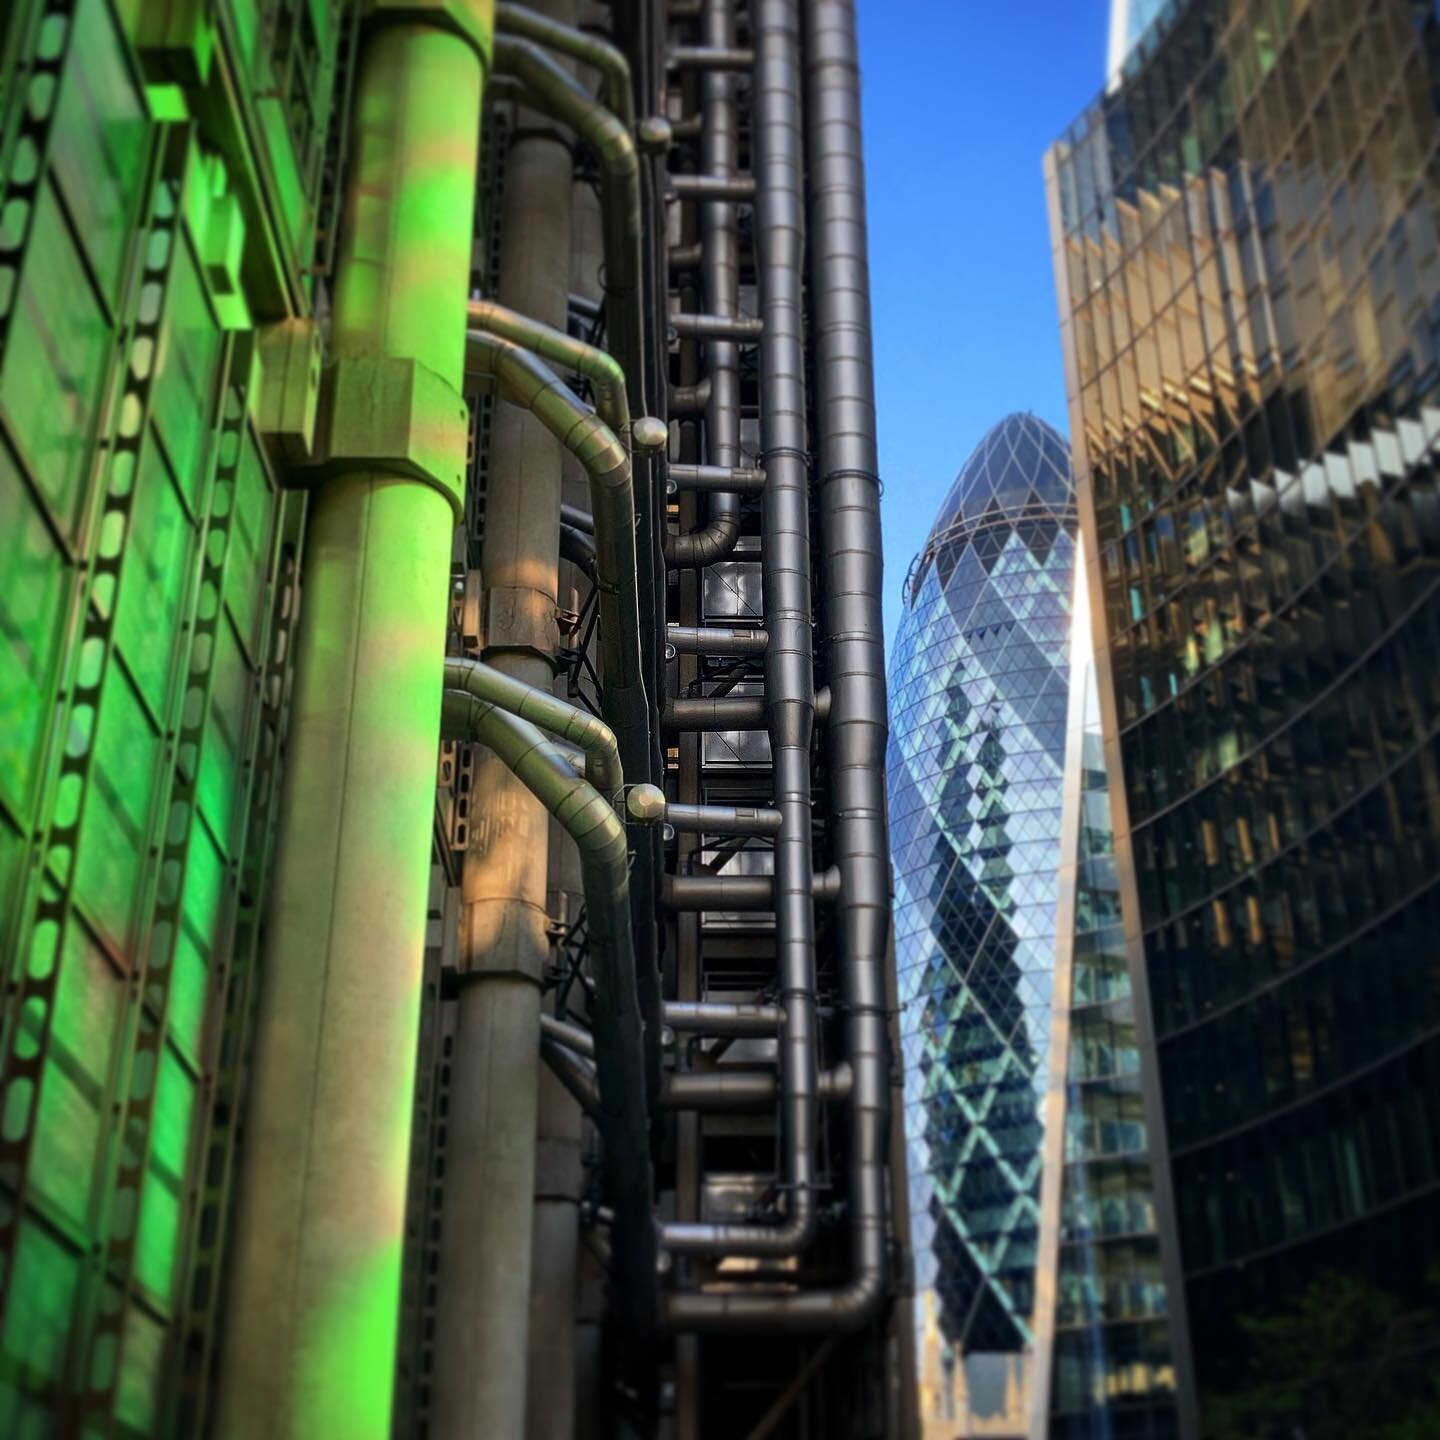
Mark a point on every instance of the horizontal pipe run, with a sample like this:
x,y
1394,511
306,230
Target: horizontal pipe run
x,y
689,399
647,803
716,639
739,1018
579,549
686,257
712,187
737,892
690,326
729,712
743,1090
742,479
567,1033
710,57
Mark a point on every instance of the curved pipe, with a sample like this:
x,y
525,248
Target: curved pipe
x,y
564,1032
528,382
601,55
471,685
737,892
579,549
720,276
588,817
550,89
575,1073
689,399
571,515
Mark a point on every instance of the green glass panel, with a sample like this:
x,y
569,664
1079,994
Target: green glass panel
x,y
100,142
158,1245
141,1373
288,184
183,397
249,572
37,1323
71,1117
200,919
12,866
34,584
55,361
113,830
152,590
220,763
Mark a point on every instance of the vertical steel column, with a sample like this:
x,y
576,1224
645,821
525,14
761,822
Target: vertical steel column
x,y
483,1298
314,1306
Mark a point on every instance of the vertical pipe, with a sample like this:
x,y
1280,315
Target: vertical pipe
x,y
483,1299
314,1305
854,630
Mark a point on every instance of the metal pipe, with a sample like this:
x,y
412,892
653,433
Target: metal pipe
x,y
851,530
648,803
740,1018
729,712
564,1032
526,381
717,639
571,515
685,257
737,892
581,45
720,274
588,816
689,399
575,1073
731,188
745,479
710,57
736,1089
471,684
314,1294
579,549
553,91
689,325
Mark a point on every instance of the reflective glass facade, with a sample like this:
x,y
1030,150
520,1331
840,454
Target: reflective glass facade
x,y
978,723
1247,256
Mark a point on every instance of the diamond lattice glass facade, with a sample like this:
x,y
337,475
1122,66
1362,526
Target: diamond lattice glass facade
x,y
977,752
1247,255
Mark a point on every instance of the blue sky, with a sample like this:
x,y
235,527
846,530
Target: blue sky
x,y
961,100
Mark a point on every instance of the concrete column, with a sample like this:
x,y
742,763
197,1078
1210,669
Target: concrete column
x,y
486,1231
313,1310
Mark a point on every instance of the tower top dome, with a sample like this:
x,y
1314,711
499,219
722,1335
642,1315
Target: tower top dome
x,y
1022,466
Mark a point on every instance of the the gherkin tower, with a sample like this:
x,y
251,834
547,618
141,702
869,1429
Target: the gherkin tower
x,y
979,686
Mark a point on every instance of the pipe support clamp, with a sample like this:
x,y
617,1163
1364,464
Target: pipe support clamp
x,y
397,416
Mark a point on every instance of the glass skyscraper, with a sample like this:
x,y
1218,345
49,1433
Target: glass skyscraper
x,y
1249,273
977,750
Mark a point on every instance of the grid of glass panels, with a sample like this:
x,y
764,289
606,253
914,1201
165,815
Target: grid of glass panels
x,y
1250,275
979,693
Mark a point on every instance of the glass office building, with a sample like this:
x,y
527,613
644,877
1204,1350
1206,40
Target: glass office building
x,y
978,720
1249,274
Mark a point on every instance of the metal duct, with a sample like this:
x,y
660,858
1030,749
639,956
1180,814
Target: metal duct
x,y
720,274
717,639
851,529
737,892
614,68
648,803
739,1018
737,1089
745,479
549,89
585,811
